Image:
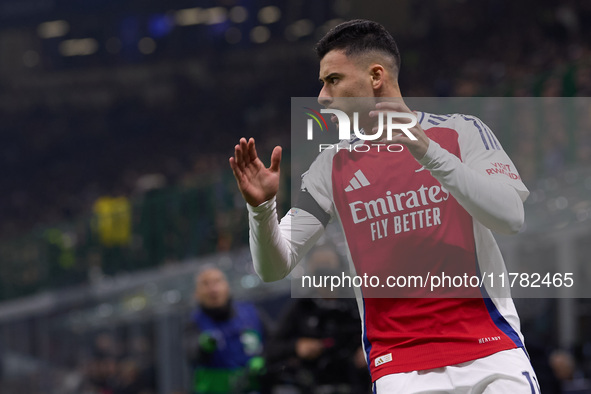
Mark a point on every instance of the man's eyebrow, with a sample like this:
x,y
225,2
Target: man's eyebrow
x,y
331,75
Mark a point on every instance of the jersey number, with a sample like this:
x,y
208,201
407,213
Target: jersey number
x,y
531,384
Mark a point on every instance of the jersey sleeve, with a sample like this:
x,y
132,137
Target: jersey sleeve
x,y
276,248
317,183
482,152
493,199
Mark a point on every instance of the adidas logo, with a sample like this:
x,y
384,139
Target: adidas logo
x,y
357,182
383,359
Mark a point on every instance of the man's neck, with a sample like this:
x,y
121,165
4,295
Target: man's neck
x,y
389,90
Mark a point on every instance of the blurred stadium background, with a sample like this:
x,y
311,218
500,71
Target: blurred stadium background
x,y
117,119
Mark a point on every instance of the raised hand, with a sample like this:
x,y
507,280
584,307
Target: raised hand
x,y
256,182
417,148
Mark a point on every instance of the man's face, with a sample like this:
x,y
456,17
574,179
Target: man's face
x,y
342,76
212,289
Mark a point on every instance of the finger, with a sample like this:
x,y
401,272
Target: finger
x,y
384,134
375,113
403,139
235,168
389,107
238,156
275,159
398,122
398,105
252,152
400,139
244,148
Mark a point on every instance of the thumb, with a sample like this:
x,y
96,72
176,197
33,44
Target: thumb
x,y
275,159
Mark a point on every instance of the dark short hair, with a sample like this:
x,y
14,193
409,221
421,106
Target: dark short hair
x,y
356,37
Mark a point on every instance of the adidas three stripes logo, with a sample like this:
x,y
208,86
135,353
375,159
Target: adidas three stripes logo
x,y
357,182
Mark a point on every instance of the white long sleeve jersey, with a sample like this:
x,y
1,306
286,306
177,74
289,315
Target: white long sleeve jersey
x,y
407,218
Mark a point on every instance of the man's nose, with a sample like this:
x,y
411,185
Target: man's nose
x,y
324,98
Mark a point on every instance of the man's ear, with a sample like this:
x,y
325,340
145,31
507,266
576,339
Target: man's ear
x,y
378,76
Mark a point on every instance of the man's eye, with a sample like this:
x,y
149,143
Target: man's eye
x,y
334,80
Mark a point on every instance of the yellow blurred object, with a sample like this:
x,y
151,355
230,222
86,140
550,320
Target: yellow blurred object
x,y
113,220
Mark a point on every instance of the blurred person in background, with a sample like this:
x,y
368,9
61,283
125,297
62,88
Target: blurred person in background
x,y
572,380
317,346
224,341
115,368
102,369
130,379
